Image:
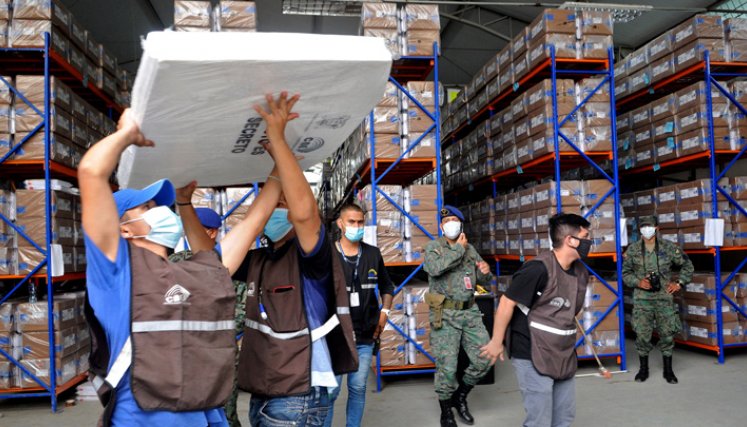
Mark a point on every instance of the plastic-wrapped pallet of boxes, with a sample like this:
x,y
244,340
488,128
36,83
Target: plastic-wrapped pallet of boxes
x,y
606,335
8,236
386,232
192,16
417,121
66,229
7,328
229,199
699,309
382,20
30,339
392,344
422,28
420,203
6,102
418,323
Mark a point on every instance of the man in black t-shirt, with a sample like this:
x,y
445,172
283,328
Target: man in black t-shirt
x,y
364,273
540,307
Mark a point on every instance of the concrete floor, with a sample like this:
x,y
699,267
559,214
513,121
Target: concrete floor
x,y
709,394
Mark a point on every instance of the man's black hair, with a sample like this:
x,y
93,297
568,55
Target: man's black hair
x,y
564,224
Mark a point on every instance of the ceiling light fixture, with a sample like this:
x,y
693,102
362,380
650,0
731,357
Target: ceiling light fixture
x,y
621,13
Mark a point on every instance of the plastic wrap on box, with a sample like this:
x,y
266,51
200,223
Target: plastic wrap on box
x,y
387,145
698,191
29,257
391,38
695,94
590,315
31,317
420,42
705,311
36,344
553,21
42,10
571,193
192,13
32,88
420,198
736,51
394,192
698,27
637,60
538,94
695,52
386,120
422,17
418,120
7,324
391,248
5,10
695,214
388,223
379,15
603,342
27,119
235,14
603,216
586,87
527,224
595,46
666,149
663,108
696,117
174,64
640,79
697,141
6,374
426,147
539,48
595,23
30,33
662,68
543,118
33,148
707,332
660,46
66,368
603,240
31,203
598,294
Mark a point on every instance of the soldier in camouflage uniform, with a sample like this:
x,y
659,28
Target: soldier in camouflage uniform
x,y
653,309
454,269
212,222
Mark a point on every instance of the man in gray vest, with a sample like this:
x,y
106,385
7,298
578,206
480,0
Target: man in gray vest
x,y
540,305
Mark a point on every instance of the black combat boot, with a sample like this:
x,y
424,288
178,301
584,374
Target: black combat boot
x,y
642,374
459,401
668,372
447,417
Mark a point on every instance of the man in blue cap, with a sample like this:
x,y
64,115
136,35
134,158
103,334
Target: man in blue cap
x,y
144,311
212,222
454,269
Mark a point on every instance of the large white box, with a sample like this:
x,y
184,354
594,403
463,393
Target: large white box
x,y
194,93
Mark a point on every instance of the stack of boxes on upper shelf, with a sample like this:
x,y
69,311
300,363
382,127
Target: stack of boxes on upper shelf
x,y
24,334
517,223
396,236
524,131
679,48
27,209
30,19
226,16
410,314
397,123
74,124
676,125
684,208
408,30
222,201
582,35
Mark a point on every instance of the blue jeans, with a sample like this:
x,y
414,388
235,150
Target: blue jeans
x,y
356,389
547,402
308,410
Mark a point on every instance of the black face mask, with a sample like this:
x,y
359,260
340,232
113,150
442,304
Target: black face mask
x,y
583,248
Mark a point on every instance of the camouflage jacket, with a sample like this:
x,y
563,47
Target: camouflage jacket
x,y
239,286
636,267
448,268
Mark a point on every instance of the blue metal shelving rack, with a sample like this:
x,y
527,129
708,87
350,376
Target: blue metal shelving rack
x,y
708,72
50,62
554,163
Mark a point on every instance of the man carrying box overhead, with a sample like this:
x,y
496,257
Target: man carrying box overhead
x,y
454,269
647,267
145,311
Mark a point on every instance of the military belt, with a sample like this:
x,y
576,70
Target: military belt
x,y
450,304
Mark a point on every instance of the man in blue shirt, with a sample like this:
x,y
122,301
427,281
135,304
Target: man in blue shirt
x,y
114,224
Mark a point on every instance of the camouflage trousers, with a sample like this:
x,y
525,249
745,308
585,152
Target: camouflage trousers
x,y
659,316
460,328
230,408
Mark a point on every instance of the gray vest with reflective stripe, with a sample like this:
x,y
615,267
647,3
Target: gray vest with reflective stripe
x,y
551,319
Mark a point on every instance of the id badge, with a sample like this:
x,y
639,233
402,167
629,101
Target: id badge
x,y
467,283
355,299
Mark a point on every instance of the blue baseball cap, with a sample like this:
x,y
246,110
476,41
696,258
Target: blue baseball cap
x,y
208,218
448,210
162,192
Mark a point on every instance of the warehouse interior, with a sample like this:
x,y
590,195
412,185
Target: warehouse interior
x,y
509,111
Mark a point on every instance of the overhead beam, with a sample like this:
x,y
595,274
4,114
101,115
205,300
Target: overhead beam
x,y
476,25
149,5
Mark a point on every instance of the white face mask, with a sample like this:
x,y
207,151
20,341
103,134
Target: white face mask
x,y
648,232
165,226
452,229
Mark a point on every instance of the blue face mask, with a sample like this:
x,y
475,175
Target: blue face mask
x,y
354,234
165,226
278,225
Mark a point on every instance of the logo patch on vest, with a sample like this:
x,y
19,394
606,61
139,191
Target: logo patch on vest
x,y
251,289
373,275
560,302
177,295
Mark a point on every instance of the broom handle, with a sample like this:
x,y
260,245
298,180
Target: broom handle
x,y
591,343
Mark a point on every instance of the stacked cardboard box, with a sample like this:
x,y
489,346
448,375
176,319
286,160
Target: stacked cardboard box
x,y
421,204
6,106
24,334
386,231
524,130
573,34
192,16
517,223
408,30
392,348
8,252
677,125
418,323
235,16
699,309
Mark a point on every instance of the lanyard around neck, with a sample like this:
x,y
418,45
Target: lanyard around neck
x,y
357,260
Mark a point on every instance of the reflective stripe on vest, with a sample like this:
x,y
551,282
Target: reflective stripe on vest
x,y
552,330
369,286
119,368
316,334
183,325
